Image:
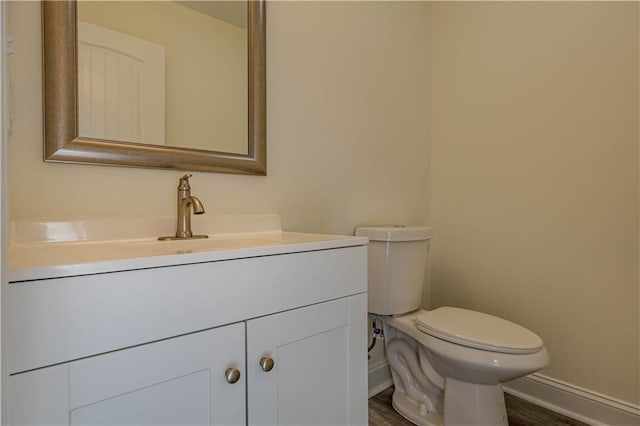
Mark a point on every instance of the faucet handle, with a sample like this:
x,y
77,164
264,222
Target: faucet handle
x,y
184,183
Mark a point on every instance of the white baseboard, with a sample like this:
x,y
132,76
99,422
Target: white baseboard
x,y
379,378
573,401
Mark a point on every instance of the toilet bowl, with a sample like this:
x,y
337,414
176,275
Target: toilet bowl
x,y
447,364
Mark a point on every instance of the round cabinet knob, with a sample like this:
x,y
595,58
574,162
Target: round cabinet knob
x,y
266,363
232,374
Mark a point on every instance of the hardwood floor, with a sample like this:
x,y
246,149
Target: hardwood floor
x,y
524,413
381,413
520,413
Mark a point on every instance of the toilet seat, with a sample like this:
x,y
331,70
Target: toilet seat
x,y
478,330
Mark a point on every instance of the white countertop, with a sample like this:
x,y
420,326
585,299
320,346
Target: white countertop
x,y
36,256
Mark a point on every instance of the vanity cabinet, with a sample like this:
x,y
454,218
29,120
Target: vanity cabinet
x,y
297,337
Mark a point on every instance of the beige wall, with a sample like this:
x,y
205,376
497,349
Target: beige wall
x,y
205,74
534,182
347,134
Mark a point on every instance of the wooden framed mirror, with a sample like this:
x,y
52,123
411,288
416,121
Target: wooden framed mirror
x,y
63,141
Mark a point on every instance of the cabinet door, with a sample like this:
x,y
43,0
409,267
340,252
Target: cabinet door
x,y
175,381
319,365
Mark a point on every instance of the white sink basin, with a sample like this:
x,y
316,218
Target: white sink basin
x,y
196,245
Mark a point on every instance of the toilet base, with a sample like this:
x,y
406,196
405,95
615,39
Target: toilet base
x,y
474,404
412,411
464,404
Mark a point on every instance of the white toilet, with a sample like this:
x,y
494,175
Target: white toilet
x,y
448,364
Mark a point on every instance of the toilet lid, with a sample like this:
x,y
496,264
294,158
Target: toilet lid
x,y
478,330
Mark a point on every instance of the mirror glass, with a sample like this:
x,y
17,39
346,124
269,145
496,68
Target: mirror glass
x,y
164,84
171,73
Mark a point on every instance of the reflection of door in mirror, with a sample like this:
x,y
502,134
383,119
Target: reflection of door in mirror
x,y
206,66
120,86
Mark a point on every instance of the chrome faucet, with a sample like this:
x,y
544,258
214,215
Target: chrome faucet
x,y
186,204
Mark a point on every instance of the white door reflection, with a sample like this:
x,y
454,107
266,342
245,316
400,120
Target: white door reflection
x,y
121,82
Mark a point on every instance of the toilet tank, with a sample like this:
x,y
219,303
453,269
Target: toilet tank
x,y
397,263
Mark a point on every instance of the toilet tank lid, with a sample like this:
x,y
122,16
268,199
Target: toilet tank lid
x,y
395,233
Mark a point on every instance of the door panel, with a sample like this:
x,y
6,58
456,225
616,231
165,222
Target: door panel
x,y
262,389
181,401
113,374
315,319
39,397
121,93
229,401
312,382
178,381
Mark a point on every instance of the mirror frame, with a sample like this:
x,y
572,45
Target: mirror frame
x,y
60,106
